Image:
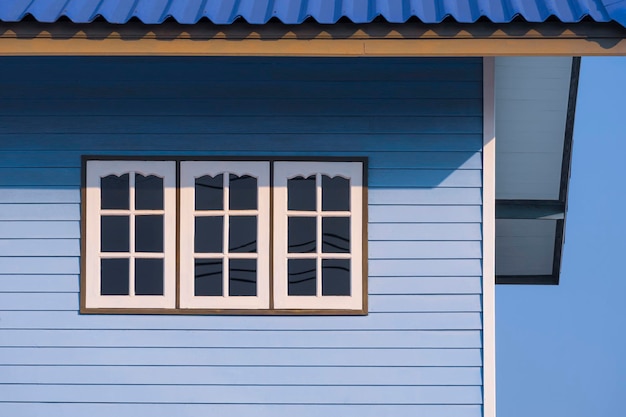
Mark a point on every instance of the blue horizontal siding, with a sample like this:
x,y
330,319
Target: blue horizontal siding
x,y
239,410
250,394
261,375
374,321
241,357
298,339
419,124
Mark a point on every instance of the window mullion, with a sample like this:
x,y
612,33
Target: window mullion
x,y
318,235
131,260
226,228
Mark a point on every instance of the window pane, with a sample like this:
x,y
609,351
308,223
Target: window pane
x,y
335,277
301,193
209,234
243,192
335,194
336,235
302,276
302,235
242,234
149,233
242,277
114,235
148,276
208,277
148,192
114,192
114,277
210,192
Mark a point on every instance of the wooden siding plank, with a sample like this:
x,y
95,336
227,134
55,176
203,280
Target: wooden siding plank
x,y
94,68
39,265
39,247
35,229
59,177
252,142
299,339
240,410
106,88
239,356
409,178
422,285
395,232
286,394
236,375
130,125
253,106
58,301
39,212
37,194
39,283
374,321
424,267
425,214
422,250
417,196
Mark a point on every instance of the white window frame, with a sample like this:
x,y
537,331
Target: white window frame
x,y
189,171
285,170
93,255
179,174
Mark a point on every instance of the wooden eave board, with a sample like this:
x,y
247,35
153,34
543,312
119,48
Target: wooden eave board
x,y
312,39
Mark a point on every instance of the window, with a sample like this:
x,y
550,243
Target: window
x,y
223,236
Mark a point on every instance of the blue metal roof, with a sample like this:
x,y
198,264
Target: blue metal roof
x,y
322,11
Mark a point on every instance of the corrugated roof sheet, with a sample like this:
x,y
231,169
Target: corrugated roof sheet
x,y
322,11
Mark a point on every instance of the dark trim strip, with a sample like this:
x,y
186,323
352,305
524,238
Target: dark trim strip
x,y
530,209
526,279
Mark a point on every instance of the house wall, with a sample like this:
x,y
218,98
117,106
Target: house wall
x,y
418,352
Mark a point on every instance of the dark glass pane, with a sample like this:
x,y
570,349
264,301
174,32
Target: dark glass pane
x,y
243,192
242,277
301,193
114,277
209,234
114,192
149,233
336,277
336,235
210,192
335,194
302,235
148,192
114,234
208,277
302,276
242,234
148,276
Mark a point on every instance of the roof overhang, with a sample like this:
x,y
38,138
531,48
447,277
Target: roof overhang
x,y
379,38
535,104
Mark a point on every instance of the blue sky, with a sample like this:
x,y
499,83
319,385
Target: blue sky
x,y
561,350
